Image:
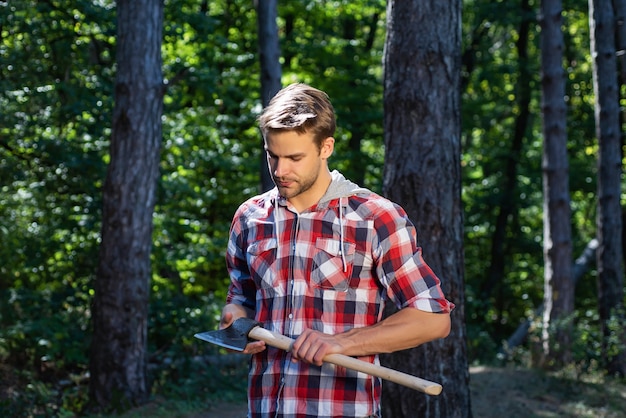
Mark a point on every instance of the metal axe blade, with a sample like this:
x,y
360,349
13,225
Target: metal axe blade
x,y
213,337
235,337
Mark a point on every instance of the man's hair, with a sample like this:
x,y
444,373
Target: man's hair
x,y
300,108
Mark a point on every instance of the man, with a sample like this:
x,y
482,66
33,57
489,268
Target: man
x,y
315,259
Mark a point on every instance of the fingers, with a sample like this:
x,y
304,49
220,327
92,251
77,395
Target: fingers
x,y
231,312
254,347
226,320
251,348
313,346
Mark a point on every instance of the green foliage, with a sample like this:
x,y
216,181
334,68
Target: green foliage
x,y
35,400
337,46
57,68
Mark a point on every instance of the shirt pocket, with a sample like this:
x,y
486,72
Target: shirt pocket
x,y
330,270
261,257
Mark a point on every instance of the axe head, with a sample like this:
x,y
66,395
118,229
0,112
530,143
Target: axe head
x,y
235,337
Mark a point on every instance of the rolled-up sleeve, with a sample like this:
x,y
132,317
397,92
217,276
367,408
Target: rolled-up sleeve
x,y
409,281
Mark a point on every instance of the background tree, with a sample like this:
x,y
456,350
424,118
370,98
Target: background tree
x,y
619,10
119,357
422,173
609,220
269,54
508,205
557,237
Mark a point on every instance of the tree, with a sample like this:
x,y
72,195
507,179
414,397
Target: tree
x,y
422,173
118,362
269,54
508,206
609,217
619,9
557,241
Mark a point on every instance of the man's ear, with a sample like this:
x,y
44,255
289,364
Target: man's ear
x,y
328,146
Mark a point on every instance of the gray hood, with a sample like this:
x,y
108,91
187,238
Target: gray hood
x,y
341,187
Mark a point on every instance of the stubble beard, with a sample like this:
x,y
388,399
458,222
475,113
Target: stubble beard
x,y
298,186
301,186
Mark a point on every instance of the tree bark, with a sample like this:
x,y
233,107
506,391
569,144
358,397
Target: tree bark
x,y
619,9
557,233
609,220
422,173
120,309
271,72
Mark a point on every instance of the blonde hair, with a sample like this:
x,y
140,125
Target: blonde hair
x,y
301,108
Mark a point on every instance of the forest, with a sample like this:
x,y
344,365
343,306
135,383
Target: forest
x,y
58,71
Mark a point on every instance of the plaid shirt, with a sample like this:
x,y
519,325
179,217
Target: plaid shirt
x,y
290,269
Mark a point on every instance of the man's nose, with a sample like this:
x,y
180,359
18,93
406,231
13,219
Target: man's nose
x,y
280,167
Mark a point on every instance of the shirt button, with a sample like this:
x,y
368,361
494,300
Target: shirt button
x,y
290,316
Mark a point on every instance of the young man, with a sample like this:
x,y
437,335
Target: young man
x,y
315,259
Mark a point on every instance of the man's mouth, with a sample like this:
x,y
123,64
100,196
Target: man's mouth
x,y
283,183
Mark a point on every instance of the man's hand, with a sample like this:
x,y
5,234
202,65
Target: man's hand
x,y
230,313
312,346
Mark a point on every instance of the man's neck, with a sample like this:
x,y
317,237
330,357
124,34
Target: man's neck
x,y
312,196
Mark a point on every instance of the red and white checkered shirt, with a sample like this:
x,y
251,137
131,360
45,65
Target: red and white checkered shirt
x,y
329,268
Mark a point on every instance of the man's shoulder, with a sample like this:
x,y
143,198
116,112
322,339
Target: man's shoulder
x,y
257,206
373,204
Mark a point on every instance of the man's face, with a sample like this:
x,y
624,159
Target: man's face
x,y
295,163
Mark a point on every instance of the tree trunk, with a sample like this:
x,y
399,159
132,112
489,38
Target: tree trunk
x,y
507,206
557,233
120,309
422,173
271,73
619,9
609,220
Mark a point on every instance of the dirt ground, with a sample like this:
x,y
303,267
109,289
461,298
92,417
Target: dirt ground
x,y
515,393
502,392
525,393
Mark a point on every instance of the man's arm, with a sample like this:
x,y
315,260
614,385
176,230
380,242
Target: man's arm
x,y
406,328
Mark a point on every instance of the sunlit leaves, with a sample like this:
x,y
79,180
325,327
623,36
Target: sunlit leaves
x,y
57,66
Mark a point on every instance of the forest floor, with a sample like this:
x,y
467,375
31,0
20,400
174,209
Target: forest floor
x,y
495,392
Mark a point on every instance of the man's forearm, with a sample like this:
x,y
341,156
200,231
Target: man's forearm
x,y
406,328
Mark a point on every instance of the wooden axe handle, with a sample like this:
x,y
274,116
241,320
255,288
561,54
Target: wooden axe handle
x,y
284,343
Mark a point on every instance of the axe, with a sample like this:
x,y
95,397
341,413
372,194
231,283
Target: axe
x,y
240,332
